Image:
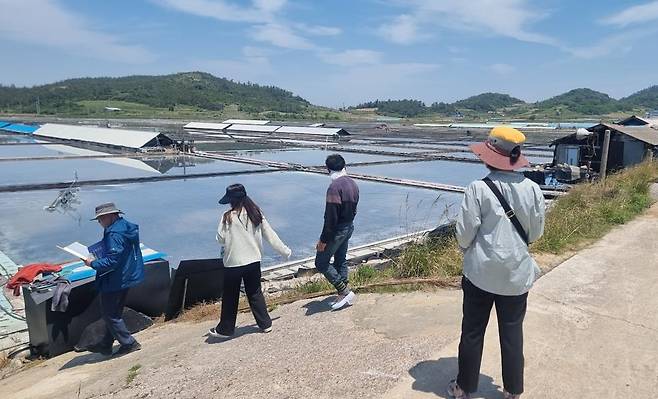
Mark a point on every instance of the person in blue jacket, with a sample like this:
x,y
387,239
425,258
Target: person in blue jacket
x,y
118,268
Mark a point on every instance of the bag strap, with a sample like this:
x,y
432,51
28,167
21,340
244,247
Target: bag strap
x,y
509,212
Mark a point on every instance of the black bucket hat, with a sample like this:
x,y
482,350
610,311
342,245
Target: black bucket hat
x,y
233,192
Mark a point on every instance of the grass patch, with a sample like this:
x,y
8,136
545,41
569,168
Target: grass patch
x,y
434,257
583,215
590,210
132,373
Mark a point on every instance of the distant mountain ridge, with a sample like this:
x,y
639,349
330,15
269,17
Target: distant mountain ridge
x,y
196,89
581,101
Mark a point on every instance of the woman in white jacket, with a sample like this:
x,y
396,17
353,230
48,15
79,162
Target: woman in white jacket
x,y
241,231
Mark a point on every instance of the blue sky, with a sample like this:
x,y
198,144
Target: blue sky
x,y
339,52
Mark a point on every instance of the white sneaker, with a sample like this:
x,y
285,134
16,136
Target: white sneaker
x,y
213,333
346,300
267,330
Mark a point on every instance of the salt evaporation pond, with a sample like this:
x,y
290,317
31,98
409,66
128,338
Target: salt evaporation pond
x,y
180,217
447,172
15,138
533,159
311,157
61,170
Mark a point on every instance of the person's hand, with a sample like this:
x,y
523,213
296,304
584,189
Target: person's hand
x,y
89,259
321,246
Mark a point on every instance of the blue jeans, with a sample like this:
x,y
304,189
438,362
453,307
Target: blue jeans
x,y
112,304
336,273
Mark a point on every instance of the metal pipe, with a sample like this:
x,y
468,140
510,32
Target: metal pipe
x,y
604,155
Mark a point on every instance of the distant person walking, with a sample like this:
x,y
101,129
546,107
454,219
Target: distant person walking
x,y
499,216
340,210
120,268
241,231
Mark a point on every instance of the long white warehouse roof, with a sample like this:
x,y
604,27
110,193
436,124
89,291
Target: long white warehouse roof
x,y
247,121
252,128
206,126
116,137
319,131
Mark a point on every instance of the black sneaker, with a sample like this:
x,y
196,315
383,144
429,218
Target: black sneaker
x,y
126,349
96,348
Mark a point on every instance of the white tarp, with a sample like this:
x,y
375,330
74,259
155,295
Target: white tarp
x,y
247,121
317,131
203,126
252,128
101,135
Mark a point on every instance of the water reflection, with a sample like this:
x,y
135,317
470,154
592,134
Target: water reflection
x,y
447,172
59,170
310,157
180,217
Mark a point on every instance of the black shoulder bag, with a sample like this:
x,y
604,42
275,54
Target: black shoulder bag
x,y
509,212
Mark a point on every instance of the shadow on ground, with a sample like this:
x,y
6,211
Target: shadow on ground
x,y
239,331
315,307
433,376
87,358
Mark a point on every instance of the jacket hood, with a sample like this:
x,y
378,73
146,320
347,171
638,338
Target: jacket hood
x,y
125,228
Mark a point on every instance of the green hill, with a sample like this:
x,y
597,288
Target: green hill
x,y
486,102
196,90
583,102
647,98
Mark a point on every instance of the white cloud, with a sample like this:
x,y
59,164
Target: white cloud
x,y
502,69
402,30
507,18
260,11
613,44
319,30
270,6
367,82
44,22
281,36
351,57
633,15
248,69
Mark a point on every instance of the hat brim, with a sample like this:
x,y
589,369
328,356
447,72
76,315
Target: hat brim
x,y
225,200
496,160
105,213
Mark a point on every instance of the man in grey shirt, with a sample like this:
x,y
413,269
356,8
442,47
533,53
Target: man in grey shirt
x,y
498,268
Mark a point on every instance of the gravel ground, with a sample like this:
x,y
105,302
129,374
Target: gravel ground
x,y
359,352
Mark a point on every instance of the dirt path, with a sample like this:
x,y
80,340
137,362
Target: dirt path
x,y
591,330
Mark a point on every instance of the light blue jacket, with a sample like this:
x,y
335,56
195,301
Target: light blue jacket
x,y
496,259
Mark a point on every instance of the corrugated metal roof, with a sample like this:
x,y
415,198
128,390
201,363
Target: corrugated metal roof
x,y
645,134
101,135
247,121
206,126
319,131
19,128
252,128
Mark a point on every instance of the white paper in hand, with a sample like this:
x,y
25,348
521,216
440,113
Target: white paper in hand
x,y
76,249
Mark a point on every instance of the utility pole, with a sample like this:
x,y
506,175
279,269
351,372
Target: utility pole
x,y
604,155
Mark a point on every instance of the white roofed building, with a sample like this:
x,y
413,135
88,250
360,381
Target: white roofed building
x,y
134,139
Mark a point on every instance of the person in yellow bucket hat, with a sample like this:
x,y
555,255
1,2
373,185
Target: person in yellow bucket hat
x,y
499,216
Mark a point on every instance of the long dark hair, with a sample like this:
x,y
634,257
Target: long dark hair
x,y
253,211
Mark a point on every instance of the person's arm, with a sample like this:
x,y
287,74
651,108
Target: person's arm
x,y
116,255
538,219
221,231
331,212
274,240
469,218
